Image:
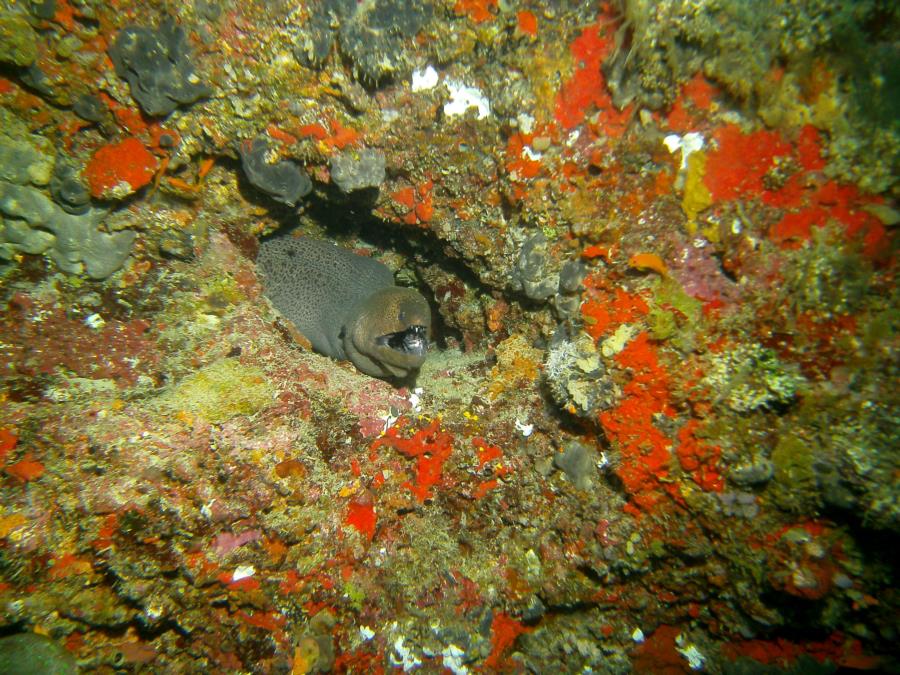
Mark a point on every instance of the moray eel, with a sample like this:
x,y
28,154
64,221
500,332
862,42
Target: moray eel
x,y
346,305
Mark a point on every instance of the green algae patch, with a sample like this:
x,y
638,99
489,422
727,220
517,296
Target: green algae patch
x,y
18,40
222,390
751,377
33,653
794,486
670,310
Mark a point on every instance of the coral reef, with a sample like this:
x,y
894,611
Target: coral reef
x,y
651,248
784,69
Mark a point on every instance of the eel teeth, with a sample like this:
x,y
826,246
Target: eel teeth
x,y
412,340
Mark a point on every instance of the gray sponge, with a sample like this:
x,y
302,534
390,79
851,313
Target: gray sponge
x,y
282,180
36,225
353,171
157,66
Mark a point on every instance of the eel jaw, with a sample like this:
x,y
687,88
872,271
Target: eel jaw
x,y
412,341
386,334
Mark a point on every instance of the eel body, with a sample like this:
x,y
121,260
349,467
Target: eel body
x,y
346,305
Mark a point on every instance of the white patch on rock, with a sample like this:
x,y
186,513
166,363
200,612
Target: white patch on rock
x,y
423,80
689,143
243,572
524,428
463,97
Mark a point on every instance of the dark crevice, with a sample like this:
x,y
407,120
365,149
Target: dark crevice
x,y
345,218
13,629
569,609
591,574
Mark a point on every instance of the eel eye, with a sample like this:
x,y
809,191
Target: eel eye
x,y
402,316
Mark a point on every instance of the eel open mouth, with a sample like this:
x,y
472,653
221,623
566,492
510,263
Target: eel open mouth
x,y
413,340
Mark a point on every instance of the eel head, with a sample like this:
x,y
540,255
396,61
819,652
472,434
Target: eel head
x,y
387,333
